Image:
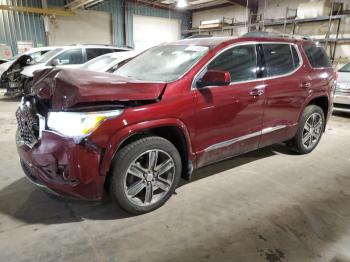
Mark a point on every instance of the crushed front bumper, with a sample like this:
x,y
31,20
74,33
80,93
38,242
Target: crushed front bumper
x,y
59,165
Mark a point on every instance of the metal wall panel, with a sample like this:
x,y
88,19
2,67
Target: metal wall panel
x,y
117,9
21,26
138,9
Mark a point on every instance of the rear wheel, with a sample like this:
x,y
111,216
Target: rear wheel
x,y
310,130
145,174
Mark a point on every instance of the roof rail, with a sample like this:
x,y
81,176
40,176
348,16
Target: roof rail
x,y
92,44
198,36
273,34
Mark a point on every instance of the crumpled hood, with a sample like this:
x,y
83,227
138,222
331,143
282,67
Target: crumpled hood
x,y
28,71
17,64
68,87
5,66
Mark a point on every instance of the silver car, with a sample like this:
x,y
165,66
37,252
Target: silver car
x,y
342,93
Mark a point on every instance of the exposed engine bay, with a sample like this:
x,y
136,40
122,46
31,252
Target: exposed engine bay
x,y
13,81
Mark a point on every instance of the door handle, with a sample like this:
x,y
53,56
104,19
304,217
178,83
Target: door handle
x,y
305,85
256,92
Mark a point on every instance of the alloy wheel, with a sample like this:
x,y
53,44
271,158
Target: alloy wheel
x,y
312,130
149,177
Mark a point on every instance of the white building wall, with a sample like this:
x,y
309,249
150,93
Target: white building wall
x,y
277,8
235,11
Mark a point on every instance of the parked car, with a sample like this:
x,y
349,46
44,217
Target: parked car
x,y
342,93
109,62
172,109
68,56
32,55
10,78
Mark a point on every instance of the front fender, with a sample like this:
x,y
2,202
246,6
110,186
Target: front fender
x,y
123,134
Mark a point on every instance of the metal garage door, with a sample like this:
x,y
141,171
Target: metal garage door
x,y
149,31
87,27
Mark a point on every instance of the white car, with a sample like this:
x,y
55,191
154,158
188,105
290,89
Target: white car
x,y
19,76
70,57
34,53
341,101
109,62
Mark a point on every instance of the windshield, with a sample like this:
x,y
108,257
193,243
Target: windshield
x,y
99,63
163,63
46,57
36,55
345,68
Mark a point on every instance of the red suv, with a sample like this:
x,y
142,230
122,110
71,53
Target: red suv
x,y
170,110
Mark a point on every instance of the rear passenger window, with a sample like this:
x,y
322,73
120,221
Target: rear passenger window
x,y
278,59
239,61
71,57
317,56
95,52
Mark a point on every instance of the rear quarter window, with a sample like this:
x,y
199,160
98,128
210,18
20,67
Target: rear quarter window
x,y
92,53
279,59
317,56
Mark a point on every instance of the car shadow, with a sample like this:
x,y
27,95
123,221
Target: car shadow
x,y
24,202
237,161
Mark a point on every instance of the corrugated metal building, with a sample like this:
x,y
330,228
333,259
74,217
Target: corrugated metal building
x,y
20,26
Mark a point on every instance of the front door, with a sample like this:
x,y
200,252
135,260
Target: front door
x,y
229,118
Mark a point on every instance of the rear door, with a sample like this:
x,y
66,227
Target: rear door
x,y
284,92
92,53
229,118
322,75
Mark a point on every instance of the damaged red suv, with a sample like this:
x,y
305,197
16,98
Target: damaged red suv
x,y
170,110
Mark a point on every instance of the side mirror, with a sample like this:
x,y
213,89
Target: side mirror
x,y
56,62
215,78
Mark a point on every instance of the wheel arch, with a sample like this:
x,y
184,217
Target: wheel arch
x,y
322,101
173,130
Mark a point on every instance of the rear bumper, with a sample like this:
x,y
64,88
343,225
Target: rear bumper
x,y
341,103
59,165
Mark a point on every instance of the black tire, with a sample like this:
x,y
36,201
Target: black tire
x,y
126,156
296,143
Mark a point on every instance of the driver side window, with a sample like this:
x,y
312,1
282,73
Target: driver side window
x,y
239,61
71,57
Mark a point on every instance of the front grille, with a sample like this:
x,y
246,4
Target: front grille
x,y
28,125
342,106
342,90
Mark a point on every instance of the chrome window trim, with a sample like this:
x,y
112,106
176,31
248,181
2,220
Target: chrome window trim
x,y
245,137
301,63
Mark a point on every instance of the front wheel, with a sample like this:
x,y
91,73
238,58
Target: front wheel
x,y
145,174
310,130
